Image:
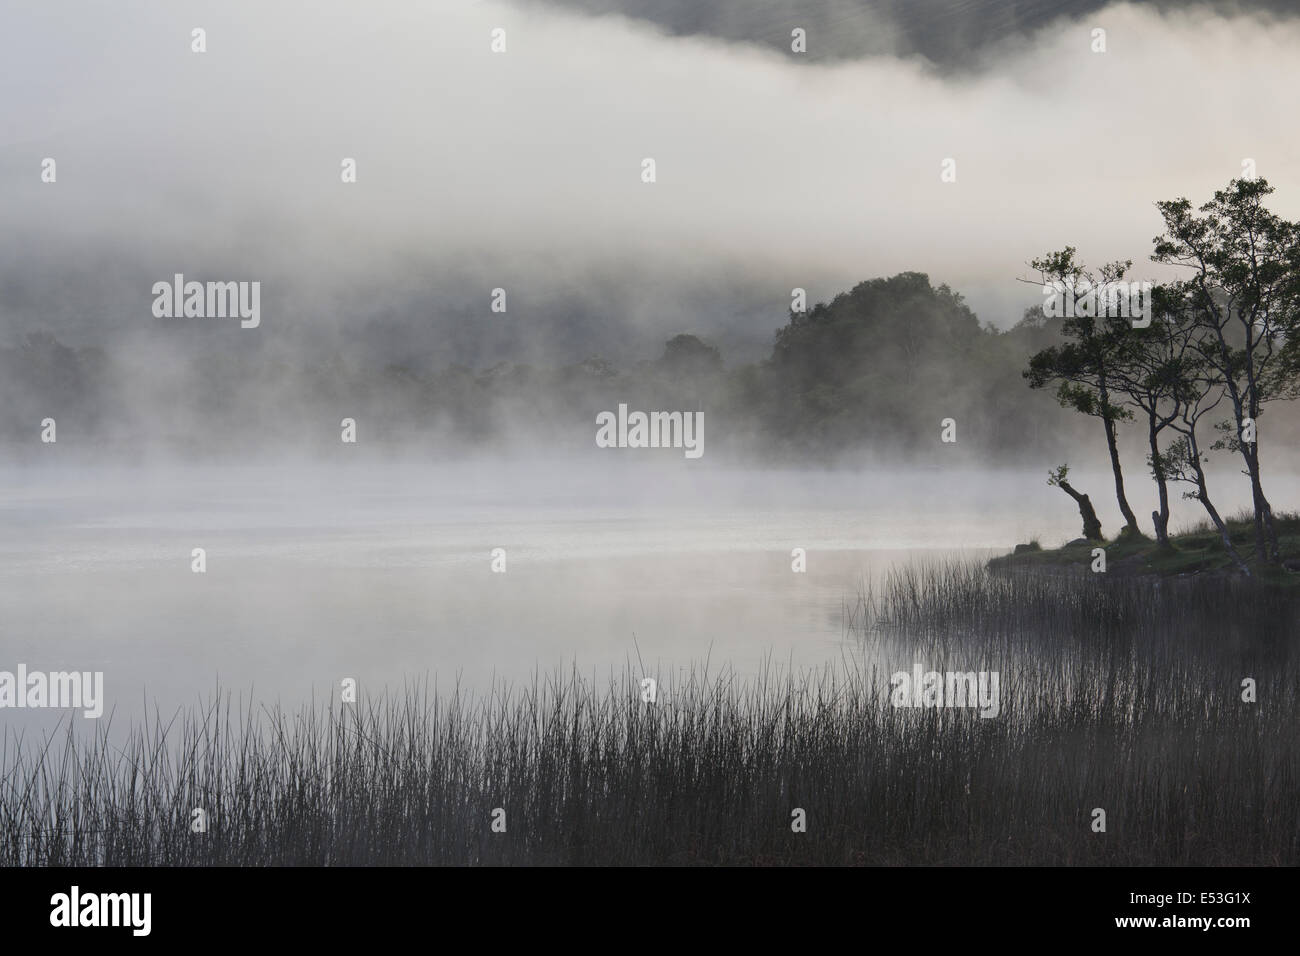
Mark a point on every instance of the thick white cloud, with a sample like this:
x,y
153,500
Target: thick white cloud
x,y
529,161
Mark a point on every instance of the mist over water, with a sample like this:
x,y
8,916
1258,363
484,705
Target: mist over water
x,y
382,572
387,390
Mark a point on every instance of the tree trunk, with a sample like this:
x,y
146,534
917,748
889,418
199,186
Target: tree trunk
x,y
1266,547
1130,519
1091,526
1159,518
1265,533
1203,495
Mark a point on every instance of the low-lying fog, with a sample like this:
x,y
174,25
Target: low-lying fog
x,y
384,573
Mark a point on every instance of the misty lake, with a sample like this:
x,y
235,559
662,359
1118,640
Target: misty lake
x,y
382,572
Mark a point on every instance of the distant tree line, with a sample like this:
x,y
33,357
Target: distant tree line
x,y
871,373
866,378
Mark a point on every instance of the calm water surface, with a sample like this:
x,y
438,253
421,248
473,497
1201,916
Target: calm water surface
x,y
383,572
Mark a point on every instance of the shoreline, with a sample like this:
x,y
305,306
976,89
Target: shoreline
x,y
1195,553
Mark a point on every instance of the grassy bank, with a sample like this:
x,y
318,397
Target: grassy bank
x,y
1115,695
1196,551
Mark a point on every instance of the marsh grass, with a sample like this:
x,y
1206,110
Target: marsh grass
x,y
1116,694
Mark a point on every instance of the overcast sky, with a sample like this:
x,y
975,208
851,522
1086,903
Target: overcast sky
x,y
523,169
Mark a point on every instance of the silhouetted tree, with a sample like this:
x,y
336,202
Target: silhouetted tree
x,y
1244,299
1091,523
1083,369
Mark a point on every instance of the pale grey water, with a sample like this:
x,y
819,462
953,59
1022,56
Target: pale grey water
x,y
382,572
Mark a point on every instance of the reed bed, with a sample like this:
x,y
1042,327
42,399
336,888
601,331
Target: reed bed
x,y
1123,695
